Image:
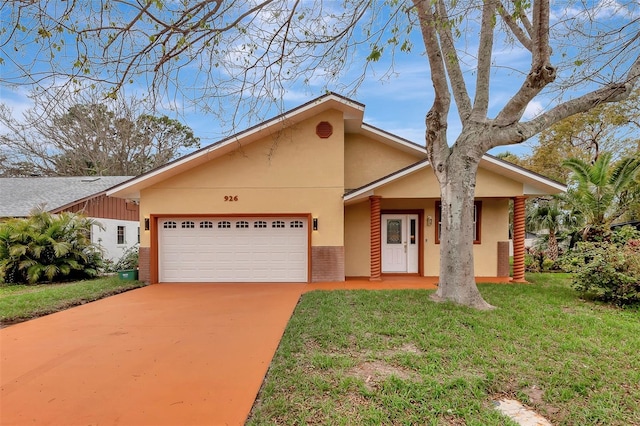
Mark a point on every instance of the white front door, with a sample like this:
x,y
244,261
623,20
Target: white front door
x,y
400,242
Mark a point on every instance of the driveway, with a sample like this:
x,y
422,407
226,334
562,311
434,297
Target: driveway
x,y
169,354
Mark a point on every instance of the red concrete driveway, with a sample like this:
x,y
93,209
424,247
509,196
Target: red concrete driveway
x,y
169,354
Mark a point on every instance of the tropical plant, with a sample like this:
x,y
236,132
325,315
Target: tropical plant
x,y
546,214
601,192
48,247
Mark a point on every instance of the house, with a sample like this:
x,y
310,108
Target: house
x,y
120,218
315,195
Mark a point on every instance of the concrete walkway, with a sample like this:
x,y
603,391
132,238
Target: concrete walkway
x,y
167,354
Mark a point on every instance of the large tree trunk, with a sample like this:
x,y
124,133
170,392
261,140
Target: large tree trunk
x,y
457,186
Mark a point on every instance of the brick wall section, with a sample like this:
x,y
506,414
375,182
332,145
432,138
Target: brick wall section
x,y
144,266
327,263
503,259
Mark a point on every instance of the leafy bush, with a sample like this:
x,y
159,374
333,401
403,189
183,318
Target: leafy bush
x,y
48,247
548,265
606,271
625,234
129,260
531,263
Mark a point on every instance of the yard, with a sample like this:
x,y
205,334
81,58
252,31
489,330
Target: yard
x,y
23,302
394,357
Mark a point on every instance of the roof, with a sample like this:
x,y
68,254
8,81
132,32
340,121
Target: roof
x,y
18,196
353,114
534,184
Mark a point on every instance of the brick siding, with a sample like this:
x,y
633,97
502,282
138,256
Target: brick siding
x,y
503,259
144,265
327,263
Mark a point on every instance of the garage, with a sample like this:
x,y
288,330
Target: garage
x,y
233,249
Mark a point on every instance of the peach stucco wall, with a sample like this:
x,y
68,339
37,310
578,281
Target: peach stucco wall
x,y
494,228
366,160
423,184
293,171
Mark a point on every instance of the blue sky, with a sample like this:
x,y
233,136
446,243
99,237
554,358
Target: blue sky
x,y
397,104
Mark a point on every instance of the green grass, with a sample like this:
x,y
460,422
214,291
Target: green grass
x,y
395,357
23,302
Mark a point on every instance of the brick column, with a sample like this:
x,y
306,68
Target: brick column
x,y
144,266
376,257
518,239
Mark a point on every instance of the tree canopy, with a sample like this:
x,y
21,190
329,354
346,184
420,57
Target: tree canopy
x,y
92,137
609,127
238,57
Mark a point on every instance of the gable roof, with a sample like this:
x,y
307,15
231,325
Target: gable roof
x,y
353,114
534,184
18,196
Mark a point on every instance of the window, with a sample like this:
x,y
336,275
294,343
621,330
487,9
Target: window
x,y
259,224
121,235
242,224
206,224
297,224
224,224
138,235
394,231
188,225
477,216
169,225
277,224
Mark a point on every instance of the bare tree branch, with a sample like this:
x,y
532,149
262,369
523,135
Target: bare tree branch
x,y
481,101
611,93
518,32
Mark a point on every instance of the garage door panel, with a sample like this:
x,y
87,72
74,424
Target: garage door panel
x,y
230,249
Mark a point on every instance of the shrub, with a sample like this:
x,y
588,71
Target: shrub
x,y
129,260
530,263
606,271
48,247
548,264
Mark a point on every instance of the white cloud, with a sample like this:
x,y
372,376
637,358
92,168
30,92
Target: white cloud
x,y
534,109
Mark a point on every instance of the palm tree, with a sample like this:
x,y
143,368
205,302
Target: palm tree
x,y
47,246
546,214
601,191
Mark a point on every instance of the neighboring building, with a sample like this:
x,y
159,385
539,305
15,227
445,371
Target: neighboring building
x,y
119,217
316,195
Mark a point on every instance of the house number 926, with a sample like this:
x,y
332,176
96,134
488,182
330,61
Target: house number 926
x,y
231,198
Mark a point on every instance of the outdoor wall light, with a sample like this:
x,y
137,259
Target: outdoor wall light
x,y
429,221
146,223
315,223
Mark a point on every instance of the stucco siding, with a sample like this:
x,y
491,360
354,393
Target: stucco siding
x,y
357,234
494,228
294,171
423,184
366,160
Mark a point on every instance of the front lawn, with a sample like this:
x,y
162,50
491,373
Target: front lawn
x,y
395,357
23,302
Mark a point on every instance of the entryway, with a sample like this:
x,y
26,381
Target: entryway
x,y
400,243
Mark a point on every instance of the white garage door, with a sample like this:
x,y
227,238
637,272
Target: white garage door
x,y
260,249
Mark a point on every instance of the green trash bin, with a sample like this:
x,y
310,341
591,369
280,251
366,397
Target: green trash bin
x,y
128,274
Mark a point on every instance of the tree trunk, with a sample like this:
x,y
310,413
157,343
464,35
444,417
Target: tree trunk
x,y
552,249
457,187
